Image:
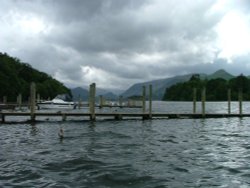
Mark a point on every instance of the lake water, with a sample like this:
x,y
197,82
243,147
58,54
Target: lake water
x,y
133,153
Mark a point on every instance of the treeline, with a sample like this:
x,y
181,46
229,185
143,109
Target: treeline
x,y
216,89
16,77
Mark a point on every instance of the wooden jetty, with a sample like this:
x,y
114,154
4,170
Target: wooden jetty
x,y
116,116
92,115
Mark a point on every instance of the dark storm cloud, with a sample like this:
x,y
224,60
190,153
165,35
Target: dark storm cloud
x,y
114,42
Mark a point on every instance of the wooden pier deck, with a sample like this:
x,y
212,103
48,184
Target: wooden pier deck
x,y
118,116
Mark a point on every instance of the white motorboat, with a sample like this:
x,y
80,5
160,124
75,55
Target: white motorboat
x,y
56,104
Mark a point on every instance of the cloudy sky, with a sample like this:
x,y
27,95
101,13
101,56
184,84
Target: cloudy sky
x,y
117,43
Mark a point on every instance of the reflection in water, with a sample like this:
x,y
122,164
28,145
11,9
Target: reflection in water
x,y
34,129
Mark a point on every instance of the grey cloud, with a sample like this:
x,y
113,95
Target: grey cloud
x,y
81,32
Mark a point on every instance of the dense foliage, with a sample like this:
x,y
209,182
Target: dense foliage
x,y
16,77
216,89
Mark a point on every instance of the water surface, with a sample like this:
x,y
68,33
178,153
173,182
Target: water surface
x,y
132,153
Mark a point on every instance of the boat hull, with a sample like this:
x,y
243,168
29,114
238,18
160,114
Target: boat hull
x,y
56,104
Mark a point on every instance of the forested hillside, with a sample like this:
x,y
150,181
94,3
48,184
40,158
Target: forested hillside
x,y
16,77
216,89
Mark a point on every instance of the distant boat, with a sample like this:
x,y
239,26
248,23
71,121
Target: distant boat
x,y
56,103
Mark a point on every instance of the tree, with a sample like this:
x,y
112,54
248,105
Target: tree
x,y
16,77
216,89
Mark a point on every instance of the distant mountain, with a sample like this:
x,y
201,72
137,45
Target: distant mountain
x,y
159,86
83,94
110,96
220,74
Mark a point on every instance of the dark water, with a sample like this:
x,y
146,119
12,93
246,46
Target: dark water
x,y
132,153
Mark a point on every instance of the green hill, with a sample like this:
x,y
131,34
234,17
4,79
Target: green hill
x,y
16,77
159,86
220,74
216,89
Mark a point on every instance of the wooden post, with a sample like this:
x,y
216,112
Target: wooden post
x,y
194,100
240,102
93,96
129,103
150,100
229,100
29,104
79,102
19,101
4,99
92,101
89,97
3,118
143,99
38,98
203,97
100,101
120,101
118,117
32,101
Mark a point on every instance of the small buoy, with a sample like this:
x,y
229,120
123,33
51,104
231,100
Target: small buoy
x,y
61,133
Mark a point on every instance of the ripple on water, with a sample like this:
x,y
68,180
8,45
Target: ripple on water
x,y
158,153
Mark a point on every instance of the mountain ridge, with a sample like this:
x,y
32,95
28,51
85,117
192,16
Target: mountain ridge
x,y
159,86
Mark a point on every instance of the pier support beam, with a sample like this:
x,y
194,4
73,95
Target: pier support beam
x,y
19,101
4,99
3,118
203,102
38,97
120,101
194,100
92,92
145,117
229,101
143,99
118,116
101,101
79,102
32,101
150,100
240,102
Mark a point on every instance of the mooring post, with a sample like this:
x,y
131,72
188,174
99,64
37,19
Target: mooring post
x,y
229,100
240,102
194,100
32,101
92,101
38,98
118,116
150,100
203,97
3,118
89,99
100,101
79,102
120,101
19,101
4,99
143,99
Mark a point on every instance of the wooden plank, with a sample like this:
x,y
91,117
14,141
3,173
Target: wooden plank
x,y
119,116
